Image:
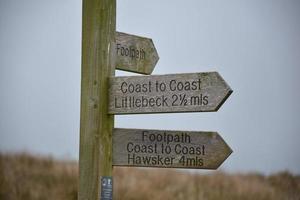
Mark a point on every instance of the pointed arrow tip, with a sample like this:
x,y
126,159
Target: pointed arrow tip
x,y
228,93
227,151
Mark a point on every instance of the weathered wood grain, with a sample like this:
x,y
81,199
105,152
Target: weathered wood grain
x,y
190,92
169,149
98,38
135,54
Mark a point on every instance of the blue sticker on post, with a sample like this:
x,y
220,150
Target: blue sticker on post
x,y
106,188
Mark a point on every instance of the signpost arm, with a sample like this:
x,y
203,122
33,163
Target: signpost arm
x,y
96,125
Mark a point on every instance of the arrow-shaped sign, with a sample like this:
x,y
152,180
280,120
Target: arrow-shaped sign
x,y
169,149
193,92
135,53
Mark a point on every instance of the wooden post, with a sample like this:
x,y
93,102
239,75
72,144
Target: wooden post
x,y
96,125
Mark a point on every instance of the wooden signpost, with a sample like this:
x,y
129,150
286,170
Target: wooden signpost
x,y
168,149
96,125
103,96
193,92
135,53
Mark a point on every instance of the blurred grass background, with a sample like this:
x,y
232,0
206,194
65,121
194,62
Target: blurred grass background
x,y
27,177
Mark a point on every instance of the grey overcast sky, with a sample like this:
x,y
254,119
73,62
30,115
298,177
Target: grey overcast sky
x,y
254,45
